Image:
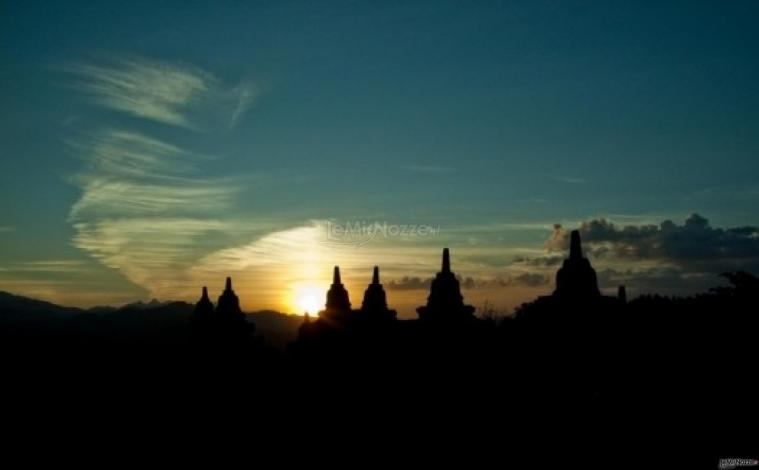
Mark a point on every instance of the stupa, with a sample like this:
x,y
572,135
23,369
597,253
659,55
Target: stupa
x,y
228,307
445,300
576,279
338,305
204,307
374,305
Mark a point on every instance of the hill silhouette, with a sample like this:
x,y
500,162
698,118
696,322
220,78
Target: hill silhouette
x,y
23,316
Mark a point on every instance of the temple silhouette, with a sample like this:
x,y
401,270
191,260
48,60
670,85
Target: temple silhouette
x,y
225,324
576,289
374,307
576,279
338,305
445,301
228,307
576,292
204,310
576,283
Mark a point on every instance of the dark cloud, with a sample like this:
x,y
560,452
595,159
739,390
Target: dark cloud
x,y
522,279
693,245
540,261
530,279
657,280
409,283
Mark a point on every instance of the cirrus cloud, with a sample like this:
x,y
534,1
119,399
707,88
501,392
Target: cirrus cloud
x,y
165,92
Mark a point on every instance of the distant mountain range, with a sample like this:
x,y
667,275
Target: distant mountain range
x,y
138,318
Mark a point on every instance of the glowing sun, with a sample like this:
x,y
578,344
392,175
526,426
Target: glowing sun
x,y
308,299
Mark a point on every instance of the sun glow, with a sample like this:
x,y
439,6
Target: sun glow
x,y
308,298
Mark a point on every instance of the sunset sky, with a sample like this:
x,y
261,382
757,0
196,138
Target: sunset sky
x,y
152,147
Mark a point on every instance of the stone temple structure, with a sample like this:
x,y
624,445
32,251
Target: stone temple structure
x,y
374,306
338,305
576,279
577,302
204,307
228,307
225,326
445,301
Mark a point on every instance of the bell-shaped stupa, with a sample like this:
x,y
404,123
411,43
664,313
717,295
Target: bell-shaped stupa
x,y
375,300
204,307
576,279
338,304
228,306
445,300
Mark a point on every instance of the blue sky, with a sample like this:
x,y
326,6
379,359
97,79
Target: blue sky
x,y
150,148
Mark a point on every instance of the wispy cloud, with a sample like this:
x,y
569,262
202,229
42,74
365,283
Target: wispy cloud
x,y
7,228
147,89
105,197
142,210
173,94
146,209
131,174
129,153
44,266
151,252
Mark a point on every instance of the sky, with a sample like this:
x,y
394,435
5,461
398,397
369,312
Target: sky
x,y
149,148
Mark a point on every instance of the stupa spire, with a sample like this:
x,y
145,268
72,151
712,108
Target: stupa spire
x,y
575,247
336,276
228,285
446,261
375,275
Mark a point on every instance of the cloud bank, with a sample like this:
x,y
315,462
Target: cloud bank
x,y
667,257
694,244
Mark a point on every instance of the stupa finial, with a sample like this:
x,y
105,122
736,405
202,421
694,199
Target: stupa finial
x,y
575,247
446,261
